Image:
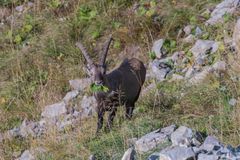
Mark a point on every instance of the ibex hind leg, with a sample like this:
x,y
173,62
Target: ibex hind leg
x,y
100,120
129,110
111,116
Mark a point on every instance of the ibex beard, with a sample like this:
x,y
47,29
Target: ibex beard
x,y
124,84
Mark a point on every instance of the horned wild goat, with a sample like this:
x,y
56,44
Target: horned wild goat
x,y
124,84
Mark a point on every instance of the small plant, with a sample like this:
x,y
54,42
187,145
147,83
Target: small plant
x,y
170,45
54,4
98,88
152,55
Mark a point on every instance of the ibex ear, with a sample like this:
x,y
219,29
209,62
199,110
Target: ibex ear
x,y
104,54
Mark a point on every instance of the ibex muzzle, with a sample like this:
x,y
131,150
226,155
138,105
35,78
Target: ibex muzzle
x,y
124,84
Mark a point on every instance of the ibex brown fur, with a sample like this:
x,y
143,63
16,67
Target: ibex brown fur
x,y
124,84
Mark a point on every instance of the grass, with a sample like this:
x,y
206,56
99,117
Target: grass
x,y
38,57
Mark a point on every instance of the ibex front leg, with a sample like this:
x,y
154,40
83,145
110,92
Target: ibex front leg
x,y
129,110
111,117
100,119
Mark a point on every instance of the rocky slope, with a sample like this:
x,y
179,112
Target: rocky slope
x,y
192,66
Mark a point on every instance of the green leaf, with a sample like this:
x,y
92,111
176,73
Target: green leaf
x,y
116,44
95,34
98,88
18,39
152,55
27,28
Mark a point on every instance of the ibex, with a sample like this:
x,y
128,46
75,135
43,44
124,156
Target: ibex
x,y
124,84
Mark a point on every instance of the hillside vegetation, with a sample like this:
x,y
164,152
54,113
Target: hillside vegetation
x,y
38,57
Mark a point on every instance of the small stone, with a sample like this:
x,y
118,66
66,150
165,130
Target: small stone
x,y
190,72
157,48
201,76
154,156
131,142
207,157
176,77
182,136
189,39
236,37
70,95
225,7
220,66
196,150
54,110
188,29
80,84
15,132
200,61
26,156
202,47
209,143
1,138
232,102
195,142
19,8
30,4
177,153
88,106
91,157
160,69
130,154
198,32
152,140
237,149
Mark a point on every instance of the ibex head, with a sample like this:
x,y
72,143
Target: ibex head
x,y
97,71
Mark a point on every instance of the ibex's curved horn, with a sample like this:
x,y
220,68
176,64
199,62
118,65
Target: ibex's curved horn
x,y
105,50
84,52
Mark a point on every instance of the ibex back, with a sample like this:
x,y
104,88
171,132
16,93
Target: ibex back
x,y
124,84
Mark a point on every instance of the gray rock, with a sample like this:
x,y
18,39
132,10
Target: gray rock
x,y
15,132
26,156
182,136
177,153
201,48
198,32
207,157
154,156
70,95
177,56
30,4
196,150
154,139
1,138
91,157
225,7
188,29
176,77
209,143
157,48
88,106
201,76
220,66
232,102
29,128
236,36
160,69
54,110
80,84
131,142
130,154
200,61
190,72
189,39
19,8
